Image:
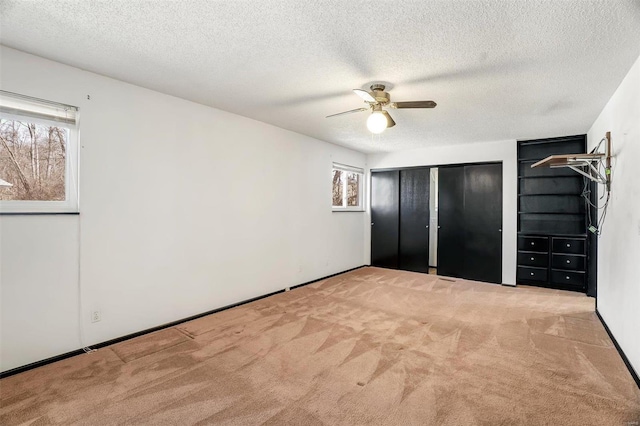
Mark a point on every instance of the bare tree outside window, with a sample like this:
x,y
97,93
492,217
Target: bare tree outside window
x,y
337,188
353,189
32,161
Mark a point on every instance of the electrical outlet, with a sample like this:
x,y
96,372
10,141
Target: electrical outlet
x,y
96,316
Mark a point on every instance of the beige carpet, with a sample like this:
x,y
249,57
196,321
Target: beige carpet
x,y
372,346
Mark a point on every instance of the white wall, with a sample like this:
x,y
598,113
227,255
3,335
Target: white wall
x,y
505,151
184,208
619,243
38,288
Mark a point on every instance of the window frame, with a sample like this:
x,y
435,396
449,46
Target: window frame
x,y
71,203
361,188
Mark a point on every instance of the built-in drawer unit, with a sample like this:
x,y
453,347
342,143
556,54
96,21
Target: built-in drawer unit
x,y
532,258
568,262
557,262
526,273
568,245
552,261
531,243
568,278
554,249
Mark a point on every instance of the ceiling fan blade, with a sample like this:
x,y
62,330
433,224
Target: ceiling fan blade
x,y
366,96
390,122
351,111
414,104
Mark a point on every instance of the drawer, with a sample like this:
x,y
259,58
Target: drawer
x,y
568,261
569,245
565,278
532,274
533,259
538,244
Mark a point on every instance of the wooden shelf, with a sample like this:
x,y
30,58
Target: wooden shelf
x,y
529,160
566,159
549,194
538,234
547,141
552,177
554,213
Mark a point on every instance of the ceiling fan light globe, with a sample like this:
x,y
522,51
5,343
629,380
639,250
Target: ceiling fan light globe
x,y
377,122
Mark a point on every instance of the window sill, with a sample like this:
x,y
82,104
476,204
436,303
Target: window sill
x,y
38,213
37,207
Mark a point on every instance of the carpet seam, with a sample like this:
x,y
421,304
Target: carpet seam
x,y
152,353
185,333
114,352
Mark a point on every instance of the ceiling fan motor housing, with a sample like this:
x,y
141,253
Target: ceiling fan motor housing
x,y
377,91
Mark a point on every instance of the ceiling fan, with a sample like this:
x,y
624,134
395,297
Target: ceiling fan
x,y
377,98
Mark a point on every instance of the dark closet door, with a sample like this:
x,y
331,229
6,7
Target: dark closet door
x,y
483,222
385,210
451,221
414,220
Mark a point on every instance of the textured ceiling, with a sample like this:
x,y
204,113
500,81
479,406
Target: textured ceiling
x,y
497,69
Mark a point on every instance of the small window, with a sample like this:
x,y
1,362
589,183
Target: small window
x,y
347,188
38,156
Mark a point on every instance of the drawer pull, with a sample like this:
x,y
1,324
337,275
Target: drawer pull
x,y
532,274
533,258
568,261
569,245
532,243
568,278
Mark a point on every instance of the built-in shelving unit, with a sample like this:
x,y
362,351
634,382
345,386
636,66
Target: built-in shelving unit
x,y
552,217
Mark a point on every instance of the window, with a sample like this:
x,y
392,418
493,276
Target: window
x,y
347,188
38,156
